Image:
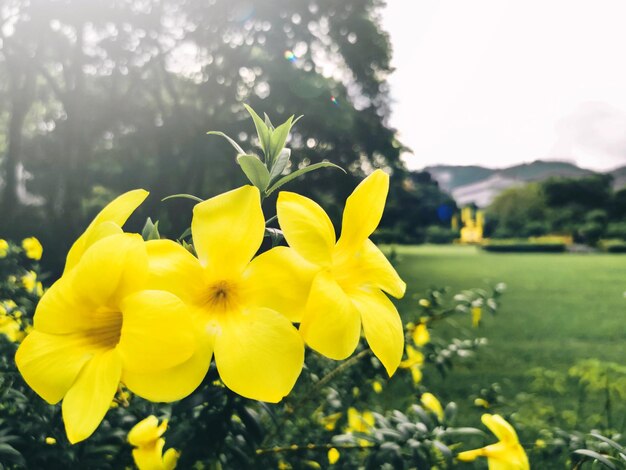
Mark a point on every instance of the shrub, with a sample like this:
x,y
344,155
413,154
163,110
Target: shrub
x,y
512,245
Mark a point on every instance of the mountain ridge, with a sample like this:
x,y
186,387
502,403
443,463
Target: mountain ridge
x,y
480,185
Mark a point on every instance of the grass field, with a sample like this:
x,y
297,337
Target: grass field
x,y
558,309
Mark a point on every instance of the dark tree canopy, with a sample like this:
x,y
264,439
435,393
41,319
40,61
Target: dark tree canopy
x,y
101,97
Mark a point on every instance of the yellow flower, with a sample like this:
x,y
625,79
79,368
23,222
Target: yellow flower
x,y
238,311
431,403
481,402
29,281
33,248
329,422
360,422
350,275
414,362
10,328
4,248
377,386
421,336
333,456
148,454
424,303
477,313
506,454
51,441
97,325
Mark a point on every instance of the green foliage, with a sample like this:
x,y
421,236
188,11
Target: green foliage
x,y
440,235
512,245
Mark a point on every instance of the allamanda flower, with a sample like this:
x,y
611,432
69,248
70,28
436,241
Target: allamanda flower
x,y
98,325
350,274
4,248
432,404
413,362
506,454
234,302
32,248
148,454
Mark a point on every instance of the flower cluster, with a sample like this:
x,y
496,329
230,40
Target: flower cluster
x,y
153,316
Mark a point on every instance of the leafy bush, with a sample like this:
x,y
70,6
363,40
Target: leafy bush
x,y
440,235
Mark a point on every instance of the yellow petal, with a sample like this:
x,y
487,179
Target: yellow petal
x,y
470,455
51,363
170,459
363,211
500,428
280,279
86,403
60,312
331,325
228,230
111,269
117,212
259,354
146,432
175,383
157,332
382,326
431,403
369,267
149,457
306,227
174,269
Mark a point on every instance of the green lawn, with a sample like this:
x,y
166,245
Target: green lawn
x,y
558,309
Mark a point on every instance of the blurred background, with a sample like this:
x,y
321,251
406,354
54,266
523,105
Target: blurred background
x,y
101,97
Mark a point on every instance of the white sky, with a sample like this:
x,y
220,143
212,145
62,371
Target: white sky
x,y
500,82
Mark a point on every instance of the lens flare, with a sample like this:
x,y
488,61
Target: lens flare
x,y
290,56
334,100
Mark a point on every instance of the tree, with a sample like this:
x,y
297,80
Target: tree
x,y
126,91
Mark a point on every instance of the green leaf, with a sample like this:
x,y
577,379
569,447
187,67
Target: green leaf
x,y
280,164
278,139
608,441
231,141
183,196
300,172
596,456
151,230
185,234
255,170
268,123
262,130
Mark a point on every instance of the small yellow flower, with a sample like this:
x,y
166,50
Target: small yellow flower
x,y
481,402
51,441
10,304
506,454
414,362
424,303
377,386
540,444
333,456
148,454
477,313
360,422
29,281
431,403
10,328
421,336
32,248
4,248
350,274
330,422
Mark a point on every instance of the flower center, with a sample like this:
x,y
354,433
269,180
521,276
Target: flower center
x,y
106,330
223,296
